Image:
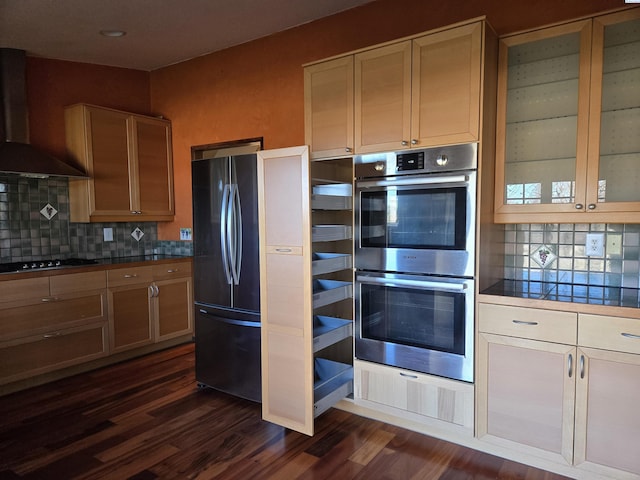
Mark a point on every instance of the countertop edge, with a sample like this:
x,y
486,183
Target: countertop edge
x,y
105,264
611,310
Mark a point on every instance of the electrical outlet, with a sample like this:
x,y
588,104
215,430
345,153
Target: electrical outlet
x,y
107,233
595,245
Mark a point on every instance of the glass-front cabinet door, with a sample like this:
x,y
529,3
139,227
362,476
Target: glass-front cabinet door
x,y
614,126
542,120
568,148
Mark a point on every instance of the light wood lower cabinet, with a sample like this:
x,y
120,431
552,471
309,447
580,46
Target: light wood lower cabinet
x,y
130,294
43,353
149,304
572,403
48,323
172,300
52,322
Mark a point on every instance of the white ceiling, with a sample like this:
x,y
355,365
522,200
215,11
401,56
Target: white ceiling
x,y
159,32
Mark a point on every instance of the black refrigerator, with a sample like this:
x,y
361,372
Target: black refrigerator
x,y
226,275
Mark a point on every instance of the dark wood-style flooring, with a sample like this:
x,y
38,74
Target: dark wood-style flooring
x,y
146,419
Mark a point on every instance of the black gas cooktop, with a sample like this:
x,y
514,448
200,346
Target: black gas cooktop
x,y
44,264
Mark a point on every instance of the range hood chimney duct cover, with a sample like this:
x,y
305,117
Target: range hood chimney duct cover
x,y
16,155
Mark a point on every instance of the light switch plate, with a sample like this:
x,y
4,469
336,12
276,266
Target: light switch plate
x,y
107,234
595,245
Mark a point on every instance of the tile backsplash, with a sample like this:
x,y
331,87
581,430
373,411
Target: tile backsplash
x,y
619,266
27,234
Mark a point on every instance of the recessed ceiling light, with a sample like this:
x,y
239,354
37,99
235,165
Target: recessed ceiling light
x,y
113,33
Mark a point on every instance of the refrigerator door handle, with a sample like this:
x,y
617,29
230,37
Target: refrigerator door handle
x,y
224,233
236,244
233,321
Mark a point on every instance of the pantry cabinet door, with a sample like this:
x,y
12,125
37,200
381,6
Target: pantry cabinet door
x,y
285,288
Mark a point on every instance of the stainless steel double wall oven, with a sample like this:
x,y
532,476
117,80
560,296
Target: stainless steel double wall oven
x,y
415,222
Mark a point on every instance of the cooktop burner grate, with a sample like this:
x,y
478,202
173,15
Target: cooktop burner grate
x,y
44,264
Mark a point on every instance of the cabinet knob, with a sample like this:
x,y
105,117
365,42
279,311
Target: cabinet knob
x,y
404,143
579,206
592,206
347,149
414,142
136,212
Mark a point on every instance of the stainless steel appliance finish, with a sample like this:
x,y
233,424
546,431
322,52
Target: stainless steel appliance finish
x,y
414,253
415,322
17,156
415,211
226,274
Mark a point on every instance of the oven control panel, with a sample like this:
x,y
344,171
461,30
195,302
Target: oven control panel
x,y
409,161
448,158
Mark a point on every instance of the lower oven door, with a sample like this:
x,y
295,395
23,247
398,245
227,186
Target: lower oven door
x,y
416,322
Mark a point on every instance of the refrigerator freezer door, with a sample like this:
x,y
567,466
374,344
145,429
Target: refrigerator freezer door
x,y
228,352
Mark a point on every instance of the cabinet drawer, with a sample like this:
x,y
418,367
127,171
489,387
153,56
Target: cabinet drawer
x,y
415,393
129,276
167,271
609,333
532,323
75,282
24,289
40,316
44,353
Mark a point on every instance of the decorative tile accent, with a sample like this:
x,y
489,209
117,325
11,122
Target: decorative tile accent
x,y
620,265
543,256
137,234
48,211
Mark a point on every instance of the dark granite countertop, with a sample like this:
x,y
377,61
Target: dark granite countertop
x,y
567,292
99,263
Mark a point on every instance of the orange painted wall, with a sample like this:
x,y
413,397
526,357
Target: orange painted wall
x,y
54,84
256,89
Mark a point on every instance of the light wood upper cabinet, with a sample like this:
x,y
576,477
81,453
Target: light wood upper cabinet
x,y
129,160
328,107
446,86
421,91
383,98
568,117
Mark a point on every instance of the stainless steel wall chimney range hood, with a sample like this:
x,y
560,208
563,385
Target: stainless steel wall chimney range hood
x,y
16,155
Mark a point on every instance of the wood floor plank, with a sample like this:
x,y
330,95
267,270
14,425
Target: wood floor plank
x,y
146,419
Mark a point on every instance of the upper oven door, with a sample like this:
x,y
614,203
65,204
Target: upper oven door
x,y
416,224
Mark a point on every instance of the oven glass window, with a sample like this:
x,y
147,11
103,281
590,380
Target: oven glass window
x,y
428,218
423,318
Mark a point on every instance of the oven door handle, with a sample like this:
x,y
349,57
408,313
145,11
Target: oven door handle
x,y
398,182
458,287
